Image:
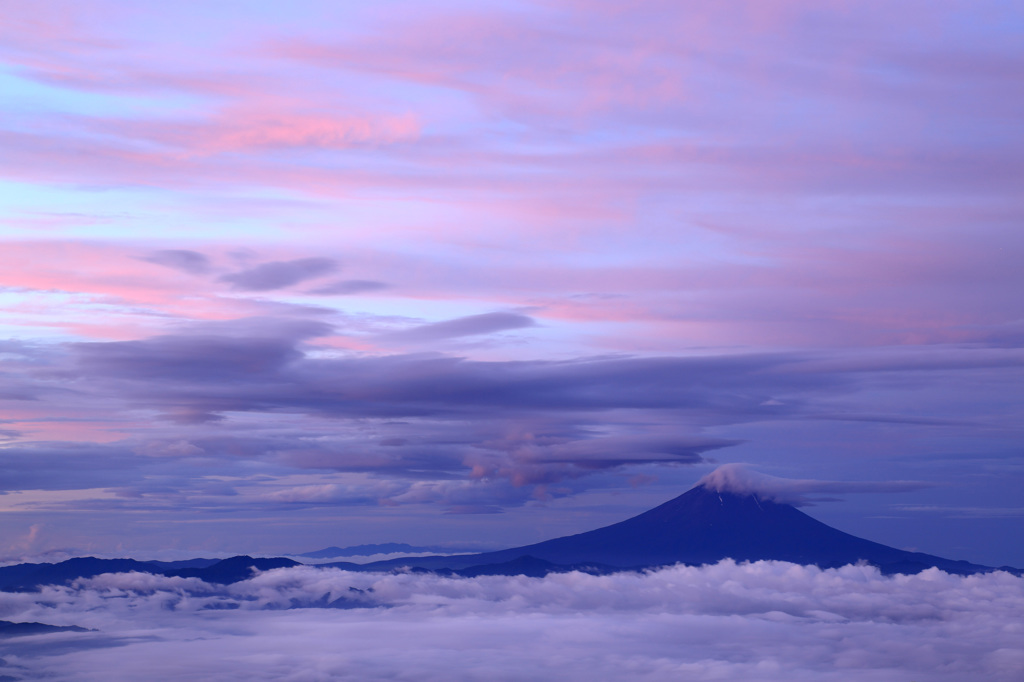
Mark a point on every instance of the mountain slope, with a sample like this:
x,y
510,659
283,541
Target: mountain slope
x,y
705,526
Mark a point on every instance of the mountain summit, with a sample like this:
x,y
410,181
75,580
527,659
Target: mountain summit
x,y
708,523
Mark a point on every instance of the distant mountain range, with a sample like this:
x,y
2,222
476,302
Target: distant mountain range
x,y
703,525
9,629
28,577
382,548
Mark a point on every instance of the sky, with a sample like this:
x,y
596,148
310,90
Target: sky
x,y
278,276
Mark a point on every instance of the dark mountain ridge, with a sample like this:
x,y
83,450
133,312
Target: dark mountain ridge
x,y
10,629
28,577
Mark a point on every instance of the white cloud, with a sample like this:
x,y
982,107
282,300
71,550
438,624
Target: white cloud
x,y
762,621
738,479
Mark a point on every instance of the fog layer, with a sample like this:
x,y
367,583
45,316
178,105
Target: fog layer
x,y
761,621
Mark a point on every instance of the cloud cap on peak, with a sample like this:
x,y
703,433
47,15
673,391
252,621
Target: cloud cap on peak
x,y
739,479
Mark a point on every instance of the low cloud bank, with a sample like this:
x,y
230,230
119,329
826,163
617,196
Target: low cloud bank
x,y
761,621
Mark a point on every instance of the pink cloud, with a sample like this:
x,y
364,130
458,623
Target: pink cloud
x,y
760,120
115,291
260,128
715,91
864,289
306,131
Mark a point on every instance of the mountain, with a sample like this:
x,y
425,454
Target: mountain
x,y
9,629
369,550
531,567
705,525
27,577
22,577
715,520
232,570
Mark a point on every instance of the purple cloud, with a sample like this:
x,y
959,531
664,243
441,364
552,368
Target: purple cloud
x,y
68,466
191,262
264,368
348,287
472,325
457,434
254,348
280,274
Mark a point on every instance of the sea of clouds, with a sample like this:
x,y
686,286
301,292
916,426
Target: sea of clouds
x,y
759,621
